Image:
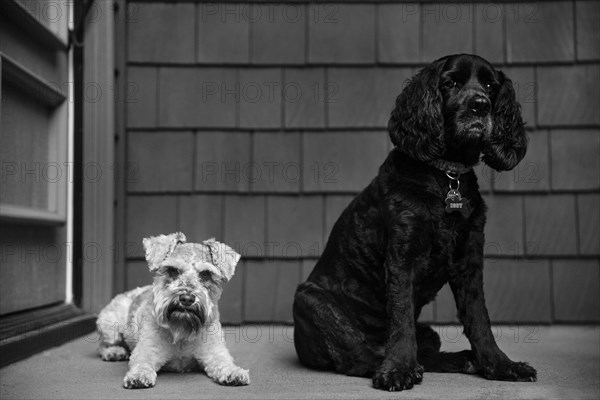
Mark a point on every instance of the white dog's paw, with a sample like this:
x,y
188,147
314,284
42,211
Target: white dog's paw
x,y
114,353
140,378
232,376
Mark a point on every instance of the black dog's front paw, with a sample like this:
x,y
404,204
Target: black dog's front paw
x,y
510,371
398,378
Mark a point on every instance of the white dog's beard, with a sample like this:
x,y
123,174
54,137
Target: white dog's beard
x,y
184,323
188,318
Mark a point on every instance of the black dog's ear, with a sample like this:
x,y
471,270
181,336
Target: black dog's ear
x,y
416,125
507,144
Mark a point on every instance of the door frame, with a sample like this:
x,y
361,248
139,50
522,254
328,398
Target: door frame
x,y
93,202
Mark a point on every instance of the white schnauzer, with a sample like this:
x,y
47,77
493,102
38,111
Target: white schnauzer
x,y
173,324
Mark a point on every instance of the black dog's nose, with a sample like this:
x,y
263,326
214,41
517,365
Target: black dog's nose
x,y
479,105
187,299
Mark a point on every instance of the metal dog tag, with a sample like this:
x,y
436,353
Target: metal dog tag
x,y
455,203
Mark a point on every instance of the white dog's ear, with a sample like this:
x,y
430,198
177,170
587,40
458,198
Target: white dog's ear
x,y
160,247
224,257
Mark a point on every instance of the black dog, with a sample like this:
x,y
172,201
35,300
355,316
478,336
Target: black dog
x,y
418,225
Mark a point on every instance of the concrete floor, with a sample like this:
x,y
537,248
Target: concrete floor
x,y
567,360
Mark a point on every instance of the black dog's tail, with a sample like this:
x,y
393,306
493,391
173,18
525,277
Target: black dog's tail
x,y
434,360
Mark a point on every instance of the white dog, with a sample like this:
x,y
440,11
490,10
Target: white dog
x,y
174,323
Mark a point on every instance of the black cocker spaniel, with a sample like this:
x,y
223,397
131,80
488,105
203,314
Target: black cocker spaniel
x,y
418,225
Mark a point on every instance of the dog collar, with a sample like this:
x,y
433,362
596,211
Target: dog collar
x,y
450,167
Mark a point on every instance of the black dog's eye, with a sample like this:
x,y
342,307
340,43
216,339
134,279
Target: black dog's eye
x,y
172,272
450,84
488,86
205,275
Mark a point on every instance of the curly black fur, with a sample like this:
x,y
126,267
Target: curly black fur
x,y
419,110
508,142
395,246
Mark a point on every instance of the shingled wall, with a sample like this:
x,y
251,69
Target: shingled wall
x,y
256,124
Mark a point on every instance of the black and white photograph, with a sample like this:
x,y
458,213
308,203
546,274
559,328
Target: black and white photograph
x,y
299,199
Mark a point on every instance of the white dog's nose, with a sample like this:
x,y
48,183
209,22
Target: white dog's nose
x,y
187,299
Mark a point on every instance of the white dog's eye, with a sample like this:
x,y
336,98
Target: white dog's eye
x,y
205,275
172,272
